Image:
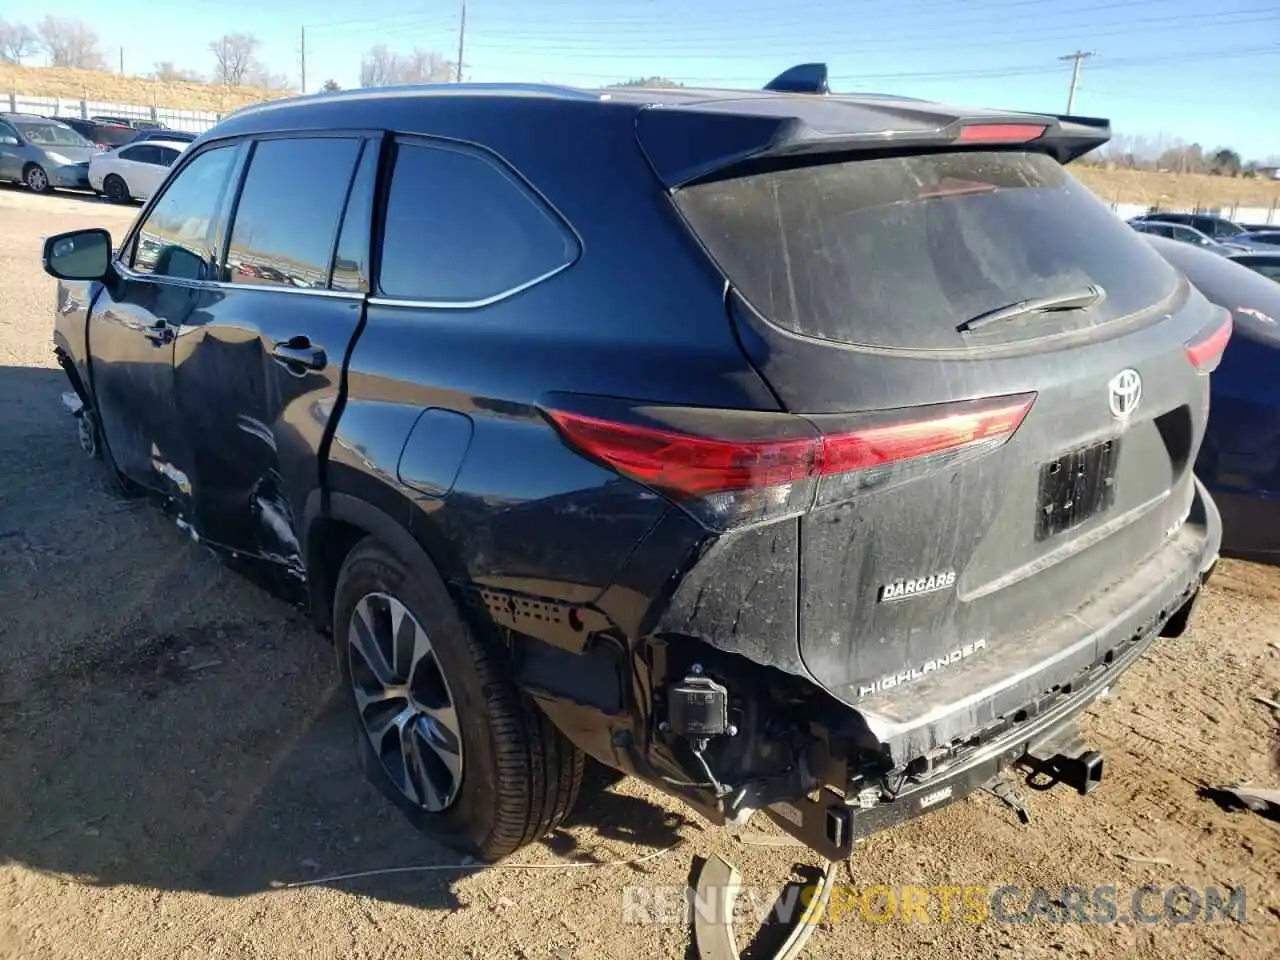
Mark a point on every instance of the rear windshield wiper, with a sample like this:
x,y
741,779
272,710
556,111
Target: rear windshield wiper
x,y
1062,301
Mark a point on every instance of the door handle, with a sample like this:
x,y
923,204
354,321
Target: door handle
x,y
299,352
159,333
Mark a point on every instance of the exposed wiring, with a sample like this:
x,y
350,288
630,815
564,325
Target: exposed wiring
x,y
697,747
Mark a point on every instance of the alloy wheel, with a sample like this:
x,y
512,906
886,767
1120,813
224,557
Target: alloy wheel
x,y
403,699
37,180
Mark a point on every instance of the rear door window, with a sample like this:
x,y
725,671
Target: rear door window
x,y
286,221
900,251
462,230
143,153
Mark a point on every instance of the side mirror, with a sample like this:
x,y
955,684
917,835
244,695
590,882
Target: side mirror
x,y
78,255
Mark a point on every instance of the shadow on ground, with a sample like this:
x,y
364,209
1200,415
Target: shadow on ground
x,y
165,723
87,196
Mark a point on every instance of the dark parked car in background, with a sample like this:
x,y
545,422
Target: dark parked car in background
x,y
105,136
1185,234
1258,227
1267,264
816,456
1265,238
1218,228
1240,459
133,122
172,136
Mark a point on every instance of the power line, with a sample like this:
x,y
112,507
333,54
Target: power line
x,y
602,50
767,26
985,73
765,16
1076,59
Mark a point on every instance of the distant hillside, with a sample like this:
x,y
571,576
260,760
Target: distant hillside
x,y
117,88
1177,189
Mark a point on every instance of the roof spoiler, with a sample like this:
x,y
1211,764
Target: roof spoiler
x,y
728,137
802,78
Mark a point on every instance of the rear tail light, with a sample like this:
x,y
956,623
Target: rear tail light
x,y
731,481
1205,351
1000,132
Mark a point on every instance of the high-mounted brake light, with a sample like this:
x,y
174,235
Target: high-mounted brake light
x,y
732,482
1205,351
1000,132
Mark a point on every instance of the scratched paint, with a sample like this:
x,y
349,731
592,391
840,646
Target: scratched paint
x,y
167,470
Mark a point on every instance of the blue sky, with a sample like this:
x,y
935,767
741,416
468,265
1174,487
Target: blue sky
x,y
1202,70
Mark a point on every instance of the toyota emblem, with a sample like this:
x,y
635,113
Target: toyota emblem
x,y
1124,393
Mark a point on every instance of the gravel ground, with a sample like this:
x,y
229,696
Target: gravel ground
x,y
171,757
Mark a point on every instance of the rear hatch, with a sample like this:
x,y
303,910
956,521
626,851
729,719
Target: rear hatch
x,y
1001,368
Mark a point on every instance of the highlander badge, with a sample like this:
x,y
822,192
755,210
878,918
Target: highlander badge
x,y
929,666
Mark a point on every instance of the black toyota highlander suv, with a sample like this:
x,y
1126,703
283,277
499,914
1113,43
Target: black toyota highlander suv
x,y
820,455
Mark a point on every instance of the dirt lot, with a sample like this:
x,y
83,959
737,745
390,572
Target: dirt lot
x,y
170,755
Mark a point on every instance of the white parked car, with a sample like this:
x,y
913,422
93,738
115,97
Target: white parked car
x,y
133,171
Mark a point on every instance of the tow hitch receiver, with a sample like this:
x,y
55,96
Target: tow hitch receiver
x,y
1064,759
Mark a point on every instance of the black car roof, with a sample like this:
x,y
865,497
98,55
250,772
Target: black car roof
x,y
686,132
856,111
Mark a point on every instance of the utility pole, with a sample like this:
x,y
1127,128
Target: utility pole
x,y
122,59
304,59
1078,56
462,37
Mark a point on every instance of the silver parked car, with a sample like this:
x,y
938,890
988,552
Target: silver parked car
x,y
43,153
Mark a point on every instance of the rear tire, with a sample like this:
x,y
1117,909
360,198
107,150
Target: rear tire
x,y
36,179
115,189
519,776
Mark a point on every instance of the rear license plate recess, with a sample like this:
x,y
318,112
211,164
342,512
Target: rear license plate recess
x,y
1075,487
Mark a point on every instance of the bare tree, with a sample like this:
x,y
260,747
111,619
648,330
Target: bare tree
x,y
235,55
70,43
260,76
648,82
17,42
165,70
381,67
426,66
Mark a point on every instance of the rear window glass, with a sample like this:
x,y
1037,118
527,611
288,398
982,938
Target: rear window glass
x,y
113,136
462,230
899,251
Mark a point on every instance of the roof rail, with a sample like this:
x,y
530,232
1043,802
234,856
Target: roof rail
x,y
802,78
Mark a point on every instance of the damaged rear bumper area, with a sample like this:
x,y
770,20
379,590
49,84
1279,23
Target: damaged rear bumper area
x,y
960,729
734,737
